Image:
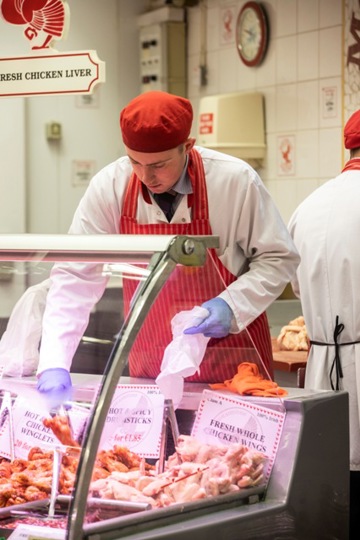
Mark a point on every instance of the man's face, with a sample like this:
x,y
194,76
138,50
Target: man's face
x,y
161,170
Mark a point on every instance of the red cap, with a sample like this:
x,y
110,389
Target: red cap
x,y
156,121
352,131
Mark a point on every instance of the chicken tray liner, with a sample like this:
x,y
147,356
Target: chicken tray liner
x,y
129,514
195,508
41,506
31,506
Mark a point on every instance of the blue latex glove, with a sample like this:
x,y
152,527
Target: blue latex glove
x,y
218,323
55,384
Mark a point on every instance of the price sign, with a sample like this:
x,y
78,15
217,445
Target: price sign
x,y
35,532
29,431
134,420
222,419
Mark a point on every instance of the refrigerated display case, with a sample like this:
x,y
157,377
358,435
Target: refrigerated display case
x,y
306,495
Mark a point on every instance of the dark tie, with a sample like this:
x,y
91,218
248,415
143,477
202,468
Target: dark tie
x,y
166,202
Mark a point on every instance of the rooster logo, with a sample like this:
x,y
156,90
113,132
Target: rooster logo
x,y
48,16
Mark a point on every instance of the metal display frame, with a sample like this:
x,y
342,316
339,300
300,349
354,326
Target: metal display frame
x,y
180,250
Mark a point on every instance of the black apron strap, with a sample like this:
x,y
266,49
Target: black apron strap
x,y
336,365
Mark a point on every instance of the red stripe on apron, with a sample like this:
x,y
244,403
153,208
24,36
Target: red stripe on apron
x,y
185,288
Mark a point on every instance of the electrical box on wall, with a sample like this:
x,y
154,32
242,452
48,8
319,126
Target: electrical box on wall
x,y
53,131
163,51
234,124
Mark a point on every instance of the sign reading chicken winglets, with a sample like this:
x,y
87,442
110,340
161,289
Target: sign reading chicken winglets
x,y
46,71
27,430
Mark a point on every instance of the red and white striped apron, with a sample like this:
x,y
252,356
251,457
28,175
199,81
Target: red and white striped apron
x,y
185,288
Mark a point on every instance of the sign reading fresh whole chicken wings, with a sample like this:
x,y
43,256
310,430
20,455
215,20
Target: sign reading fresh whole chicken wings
x,y
224,419
46,71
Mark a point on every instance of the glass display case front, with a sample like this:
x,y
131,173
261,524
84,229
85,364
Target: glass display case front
x,y
149,442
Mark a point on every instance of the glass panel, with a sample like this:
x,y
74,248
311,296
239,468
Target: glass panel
x,y
39,447
118,436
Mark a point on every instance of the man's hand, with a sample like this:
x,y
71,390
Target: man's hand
x,y
56,384
218,322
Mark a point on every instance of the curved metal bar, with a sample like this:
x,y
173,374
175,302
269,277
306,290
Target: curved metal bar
x,y
188,251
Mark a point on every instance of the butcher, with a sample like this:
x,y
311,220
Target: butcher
x,y
324,228
165,184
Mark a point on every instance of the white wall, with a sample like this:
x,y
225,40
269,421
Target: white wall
x,y
304,58
12,165
12,148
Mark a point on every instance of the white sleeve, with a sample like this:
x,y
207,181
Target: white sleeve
x,y
266,244
77,287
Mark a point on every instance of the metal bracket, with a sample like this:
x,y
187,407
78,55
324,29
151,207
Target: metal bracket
x,y
169,420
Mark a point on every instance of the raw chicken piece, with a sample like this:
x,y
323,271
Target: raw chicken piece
x,y
61,428
187,447
216,479
128,493
185,493
293,337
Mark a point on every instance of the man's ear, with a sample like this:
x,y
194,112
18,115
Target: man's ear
x,y
189,143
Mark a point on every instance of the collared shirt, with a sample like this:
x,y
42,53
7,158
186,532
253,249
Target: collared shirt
x,y
182,187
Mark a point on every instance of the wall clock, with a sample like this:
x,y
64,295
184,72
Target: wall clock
x,y
252,34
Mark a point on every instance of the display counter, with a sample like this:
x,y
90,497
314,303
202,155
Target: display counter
x,y
83,496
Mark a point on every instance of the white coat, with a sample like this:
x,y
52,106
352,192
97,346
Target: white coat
x,y
325,228
254,245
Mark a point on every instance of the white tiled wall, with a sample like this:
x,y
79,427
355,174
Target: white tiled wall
x,y
303,63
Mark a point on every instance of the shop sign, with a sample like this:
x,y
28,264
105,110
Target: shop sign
x,y
46,74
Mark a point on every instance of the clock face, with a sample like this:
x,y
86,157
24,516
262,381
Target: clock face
x,y
251,34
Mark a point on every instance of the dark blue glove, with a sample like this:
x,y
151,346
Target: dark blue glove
x,y
56,384
218,322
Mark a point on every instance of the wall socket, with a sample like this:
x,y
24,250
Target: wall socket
x,y
53,131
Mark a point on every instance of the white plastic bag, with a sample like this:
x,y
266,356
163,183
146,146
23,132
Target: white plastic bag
x,y
183,356
19,345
